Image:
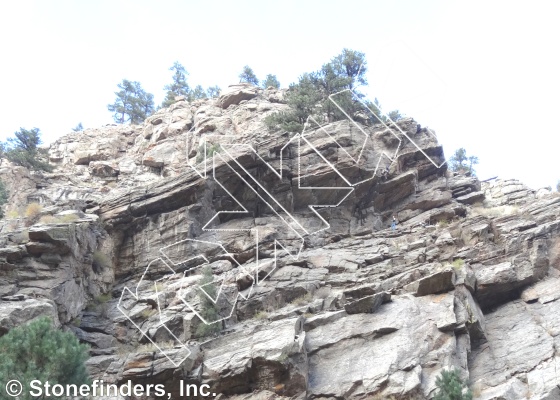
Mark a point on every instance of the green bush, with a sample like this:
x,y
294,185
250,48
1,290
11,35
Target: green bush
x,y
4,194
100,261
39,351
451,387
208,309
24,150
458,263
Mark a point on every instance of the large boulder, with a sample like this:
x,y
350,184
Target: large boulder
x,y
234,94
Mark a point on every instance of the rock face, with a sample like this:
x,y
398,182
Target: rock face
x,y
469,279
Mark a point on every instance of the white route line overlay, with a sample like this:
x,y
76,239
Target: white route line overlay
x,y
203,175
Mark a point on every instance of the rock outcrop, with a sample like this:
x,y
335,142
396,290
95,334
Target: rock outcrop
x,y
469,279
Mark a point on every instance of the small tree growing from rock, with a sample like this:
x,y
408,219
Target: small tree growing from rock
x,y
4,194
132,103
460,162
208,309
248,76
451,387
271,80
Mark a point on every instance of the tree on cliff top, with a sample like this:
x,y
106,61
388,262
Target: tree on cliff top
x,y
248,76
271,81
460,162
24,150
310,96
178,86
132,103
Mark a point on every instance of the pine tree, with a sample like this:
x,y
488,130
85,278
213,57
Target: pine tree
x,y
248,76
208,309
460,162
304,99
310,96
213,91
39,351
198,93
78,128
132,103
179,86
24,150
451,387
271,81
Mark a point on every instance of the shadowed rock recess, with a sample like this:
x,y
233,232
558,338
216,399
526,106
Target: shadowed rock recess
x,y
469,279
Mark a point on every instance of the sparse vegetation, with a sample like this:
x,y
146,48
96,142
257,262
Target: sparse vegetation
x,y
458,263
47,219
211,148
150,347
261,315
451,387
68,218
498,211
460,162
50,219
100,261
32,211
302,300
310,96
24,150
3,198
148,312
12,214
208,309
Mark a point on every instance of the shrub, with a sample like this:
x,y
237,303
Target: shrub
x,y
458,263
261,315
12,214
24,150
302,300
67,218
4,194
100,261
451,387
39,351
33,210
47,219
208,309
210,150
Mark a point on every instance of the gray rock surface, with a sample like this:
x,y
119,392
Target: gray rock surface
x,y
469,279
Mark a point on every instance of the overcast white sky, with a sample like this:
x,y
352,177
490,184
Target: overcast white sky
x,y
483,75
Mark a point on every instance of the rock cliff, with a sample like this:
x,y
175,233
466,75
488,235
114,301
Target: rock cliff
x,y
321,302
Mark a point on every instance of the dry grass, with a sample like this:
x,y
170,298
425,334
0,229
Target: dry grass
x,y
261,315
67,218
47,219
33,210
302,300
149,347
494,212
12,214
